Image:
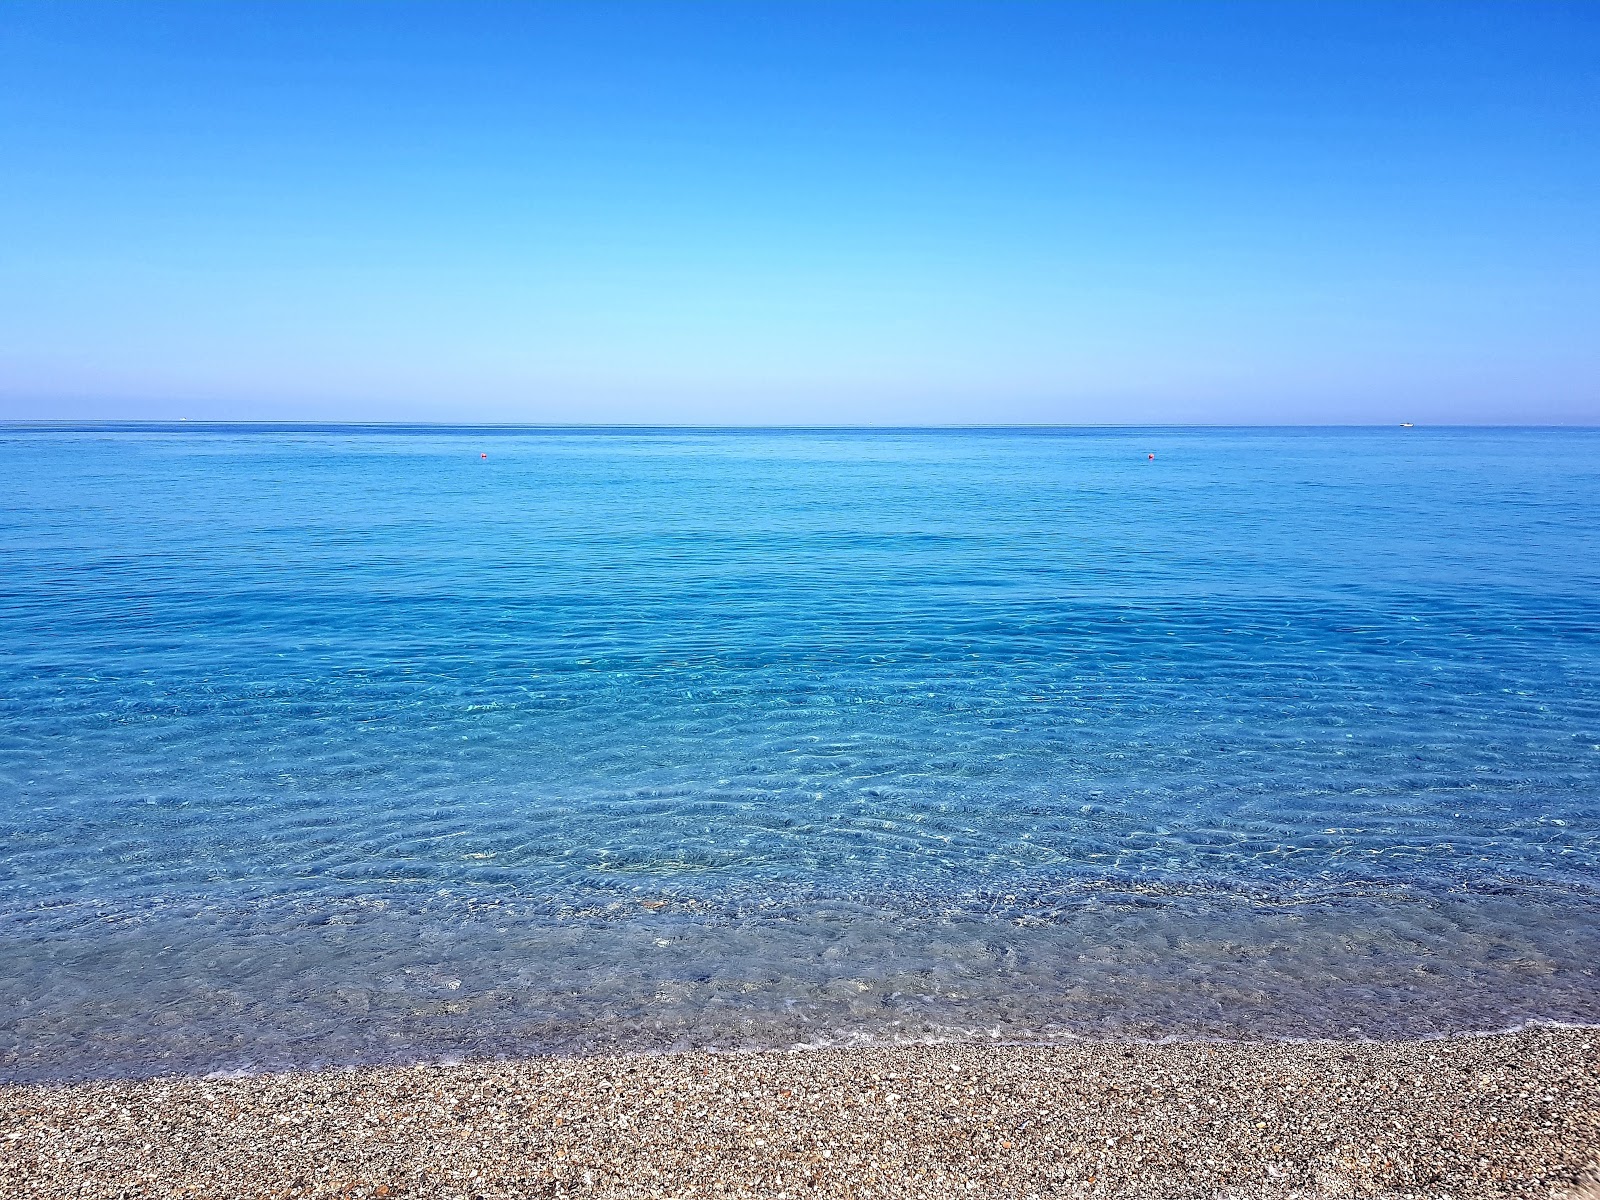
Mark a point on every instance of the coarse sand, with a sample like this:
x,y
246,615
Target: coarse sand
x,y
1514,1114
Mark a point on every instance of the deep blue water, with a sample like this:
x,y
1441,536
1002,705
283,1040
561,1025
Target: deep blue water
x,y
332,744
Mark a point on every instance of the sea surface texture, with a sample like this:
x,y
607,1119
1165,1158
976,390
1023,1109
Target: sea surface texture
x,y
341,744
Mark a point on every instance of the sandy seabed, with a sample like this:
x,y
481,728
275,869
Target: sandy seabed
x,y
1506,1115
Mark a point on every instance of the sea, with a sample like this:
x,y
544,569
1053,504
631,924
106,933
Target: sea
x,y
342,744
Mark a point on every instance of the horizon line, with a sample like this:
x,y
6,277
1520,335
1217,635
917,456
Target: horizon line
x,y
68,422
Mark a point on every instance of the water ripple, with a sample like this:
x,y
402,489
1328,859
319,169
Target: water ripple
x,y
660,738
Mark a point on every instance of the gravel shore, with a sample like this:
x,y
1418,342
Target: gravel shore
x,y
1500,1116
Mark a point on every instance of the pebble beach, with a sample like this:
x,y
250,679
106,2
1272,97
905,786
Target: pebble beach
x,y
663,600
1507,1115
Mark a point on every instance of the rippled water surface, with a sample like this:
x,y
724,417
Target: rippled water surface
x,y
339,744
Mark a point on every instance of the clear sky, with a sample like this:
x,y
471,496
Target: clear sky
x,y
764,212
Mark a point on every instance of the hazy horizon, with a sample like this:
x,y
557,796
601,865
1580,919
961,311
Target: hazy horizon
x,y
801,214
737,427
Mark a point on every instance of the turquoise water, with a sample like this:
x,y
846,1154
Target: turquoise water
x,y
336,744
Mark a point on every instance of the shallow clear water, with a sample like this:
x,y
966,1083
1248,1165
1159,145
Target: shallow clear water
x,y
338,744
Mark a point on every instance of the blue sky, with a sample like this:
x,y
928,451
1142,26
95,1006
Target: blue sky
x,y
801,213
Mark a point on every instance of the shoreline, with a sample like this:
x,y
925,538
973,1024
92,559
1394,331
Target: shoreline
x,y
1513,1114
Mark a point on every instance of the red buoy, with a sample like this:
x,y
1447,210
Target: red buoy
x,y
486,456
1152,457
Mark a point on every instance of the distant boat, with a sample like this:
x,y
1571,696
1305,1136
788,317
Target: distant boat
x,y
1407,425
